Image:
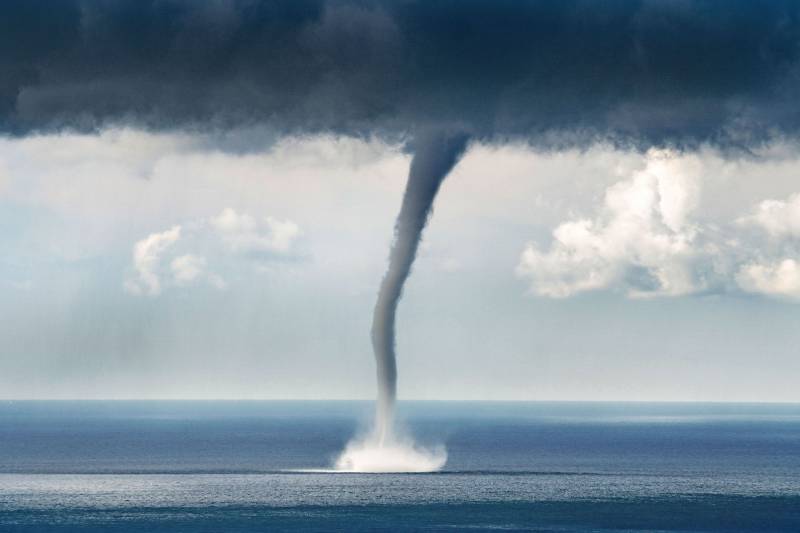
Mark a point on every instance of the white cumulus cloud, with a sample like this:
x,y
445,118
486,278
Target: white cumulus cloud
x,y
641,239
648,239
231,235
146,261
780,278
779,218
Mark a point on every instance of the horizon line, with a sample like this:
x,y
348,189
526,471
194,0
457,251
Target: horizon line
x,y
408,400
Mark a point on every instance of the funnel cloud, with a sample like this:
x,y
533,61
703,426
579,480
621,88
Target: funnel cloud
x,y
435,155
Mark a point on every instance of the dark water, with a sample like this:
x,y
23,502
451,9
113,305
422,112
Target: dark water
x,y
233,466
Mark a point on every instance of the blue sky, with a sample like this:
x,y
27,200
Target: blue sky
x,y
160,265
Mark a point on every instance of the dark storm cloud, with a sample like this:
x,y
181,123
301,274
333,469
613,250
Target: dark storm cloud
x,y
643,71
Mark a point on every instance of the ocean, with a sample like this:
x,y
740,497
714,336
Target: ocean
x,y
240,466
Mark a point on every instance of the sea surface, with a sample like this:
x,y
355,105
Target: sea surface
x,y
254,466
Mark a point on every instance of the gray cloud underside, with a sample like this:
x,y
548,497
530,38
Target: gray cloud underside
x,y
638,72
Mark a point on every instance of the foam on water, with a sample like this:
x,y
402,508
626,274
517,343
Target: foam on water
x,y
392,454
